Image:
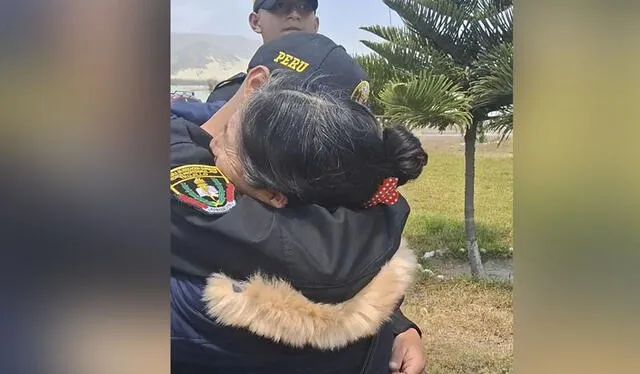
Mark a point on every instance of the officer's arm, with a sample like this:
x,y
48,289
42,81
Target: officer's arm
x,y
195,112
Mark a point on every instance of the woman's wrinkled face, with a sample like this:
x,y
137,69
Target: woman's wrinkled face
x,y
225,147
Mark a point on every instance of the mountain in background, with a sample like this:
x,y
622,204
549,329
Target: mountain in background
x,y
196,58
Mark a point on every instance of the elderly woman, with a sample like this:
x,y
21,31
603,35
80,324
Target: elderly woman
x,y
286,202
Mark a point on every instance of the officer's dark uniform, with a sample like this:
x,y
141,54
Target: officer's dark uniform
x,y
331,260
225,90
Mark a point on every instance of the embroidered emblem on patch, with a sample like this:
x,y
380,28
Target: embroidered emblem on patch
x,y
204,187
361,93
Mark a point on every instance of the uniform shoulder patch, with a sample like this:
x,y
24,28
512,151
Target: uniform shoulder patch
x,y
203,187
361,93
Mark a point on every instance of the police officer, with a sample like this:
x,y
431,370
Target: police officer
x,y
271,19
228,230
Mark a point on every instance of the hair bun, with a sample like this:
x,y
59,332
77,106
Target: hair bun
x,y
404,153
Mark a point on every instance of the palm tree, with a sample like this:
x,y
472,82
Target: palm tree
x,y
450,65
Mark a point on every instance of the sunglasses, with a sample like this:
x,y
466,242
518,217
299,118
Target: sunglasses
x,y
282,7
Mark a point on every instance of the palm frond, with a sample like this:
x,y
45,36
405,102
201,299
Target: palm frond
x,y
439,22
397,35
494,23
380,71
426,101
398,56
491,5
467,41
501,122
492,83
408,51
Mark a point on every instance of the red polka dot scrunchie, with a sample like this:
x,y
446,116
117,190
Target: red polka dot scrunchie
x,y
387,193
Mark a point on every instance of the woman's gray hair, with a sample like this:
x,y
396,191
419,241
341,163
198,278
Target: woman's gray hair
x,y
314,144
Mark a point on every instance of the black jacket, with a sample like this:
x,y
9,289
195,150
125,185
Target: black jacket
x,y
225,90
257,289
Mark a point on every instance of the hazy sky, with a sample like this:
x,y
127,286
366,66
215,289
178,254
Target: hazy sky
x,y
230,17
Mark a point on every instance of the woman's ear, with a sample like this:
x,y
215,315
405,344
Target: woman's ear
x,y
317,25
275,199
278,200
254,22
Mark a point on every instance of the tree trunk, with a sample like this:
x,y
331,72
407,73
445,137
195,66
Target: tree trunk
x,y
473,252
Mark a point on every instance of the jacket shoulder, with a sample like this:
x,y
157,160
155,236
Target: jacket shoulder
x,y
225,90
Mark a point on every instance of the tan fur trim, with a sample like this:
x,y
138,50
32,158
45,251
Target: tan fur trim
x,y
271,308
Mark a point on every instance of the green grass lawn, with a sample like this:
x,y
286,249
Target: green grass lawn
x,y
437,203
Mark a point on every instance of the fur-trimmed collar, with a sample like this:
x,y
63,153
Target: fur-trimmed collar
x,y
273,309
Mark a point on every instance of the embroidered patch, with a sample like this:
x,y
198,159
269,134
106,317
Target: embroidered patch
x,y
204,187
361,93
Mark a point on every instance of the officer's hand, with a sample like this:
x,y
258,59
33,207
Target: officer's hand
x,y
407,354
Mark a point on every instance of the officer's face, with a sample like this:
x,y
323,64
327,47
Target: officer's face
x,y
286,17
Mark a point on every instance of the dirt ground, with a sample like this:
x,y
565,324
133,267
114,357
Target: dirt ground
x,y
467,326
